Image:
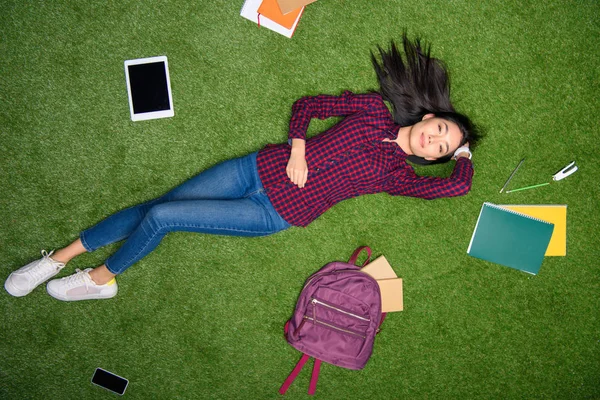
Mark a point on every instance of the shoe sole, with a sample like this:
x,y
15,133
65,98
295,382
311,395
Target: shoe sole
x,y
13,290
59,296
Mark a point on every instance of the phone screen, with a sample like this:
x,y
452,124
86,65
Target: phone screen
x,y
110,381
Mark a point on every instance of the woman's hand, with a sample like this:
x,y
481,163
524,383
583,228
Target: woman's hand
x,y
462,153
297,168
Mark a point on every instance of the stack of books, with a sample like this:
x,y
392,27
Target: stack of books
x,y
281,16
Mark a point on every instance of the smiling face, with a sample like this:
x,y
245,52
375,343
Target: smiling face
x,y
433,138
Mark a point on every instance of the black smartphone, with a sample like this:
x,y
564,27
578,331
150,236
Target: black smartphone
x,y
110,381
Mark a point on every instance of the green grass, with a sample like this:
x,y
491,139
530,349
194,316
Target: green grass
x,y
202,316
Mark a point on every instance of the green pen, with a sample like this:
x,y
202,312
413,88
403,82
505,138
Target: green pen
x,y
562,174
528,187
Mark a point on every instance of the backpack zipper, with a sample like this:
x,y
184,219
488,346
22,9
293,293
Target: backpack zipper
x,y
337,328
315,301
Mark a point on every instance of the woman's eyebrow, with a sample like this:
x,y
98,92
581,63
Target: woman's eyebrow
x,y
447,144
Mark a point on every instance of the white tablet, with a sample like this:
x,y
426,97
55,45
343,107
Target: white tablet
x,y
149,88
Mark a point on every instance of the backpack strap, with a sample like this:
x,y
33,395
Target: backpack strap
x,y
314,377
381,322
357,252
294,374
352,261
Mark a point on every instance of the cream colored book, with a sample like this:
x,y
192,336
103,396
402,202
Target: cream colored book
x,y
390,285
250,12
288,6
379,268
391,294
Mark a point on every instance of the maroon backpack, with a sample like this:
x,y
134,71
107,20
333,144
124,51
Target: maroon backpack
x,y
336,319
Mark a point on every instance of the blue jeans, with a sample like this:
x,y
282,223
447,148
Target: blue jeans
x,y
227,199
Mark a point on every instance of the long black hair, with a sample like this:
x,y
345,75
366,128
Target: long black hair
x,y
418,84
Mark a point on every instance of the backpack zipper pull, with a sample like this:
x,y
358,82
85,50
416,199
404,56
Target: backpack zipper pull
x,y
300,326
314,304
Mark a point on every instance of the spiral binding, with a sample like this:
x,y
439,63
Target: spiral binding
x,y
517,213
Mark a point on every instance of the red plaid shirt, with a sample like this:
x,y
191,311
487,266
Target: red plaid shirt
x,y
348,160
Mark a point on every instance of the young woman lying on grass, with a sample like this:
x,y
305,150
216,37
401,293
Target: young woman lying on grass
x,y
291,184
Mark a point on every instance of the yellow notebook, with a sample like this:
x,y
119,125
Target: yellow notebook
x,y
555,214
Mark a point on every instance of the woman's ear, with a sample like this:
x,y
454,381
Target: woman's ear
x,y
427,116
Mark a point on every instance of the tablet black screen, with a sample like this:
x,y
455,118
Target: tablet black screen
x,y
149,91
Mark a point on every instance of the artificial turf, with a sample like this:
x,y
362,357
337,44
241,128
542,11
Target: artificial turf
x,y
202,316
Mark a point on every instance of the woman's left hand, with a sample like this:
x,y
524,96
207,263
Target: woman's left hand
x,y
462,153
297,170
297,167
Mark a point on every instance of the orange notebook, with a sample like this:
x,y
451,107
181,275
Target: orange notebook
x,y
271,10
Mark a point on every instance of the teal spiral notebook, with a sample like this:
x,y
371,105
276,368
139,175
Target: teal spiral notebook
x,y
510,238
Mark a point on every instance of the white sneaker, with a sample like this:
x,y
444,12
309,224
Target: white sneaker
x,y
80,286
22,281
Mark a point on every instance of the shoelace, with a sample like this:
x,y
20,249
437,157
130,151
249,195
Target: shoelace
x,y
40,270
76,279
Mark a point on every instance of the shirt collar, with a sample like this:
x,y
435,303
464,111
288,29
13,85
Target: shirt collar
x,y
392,134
